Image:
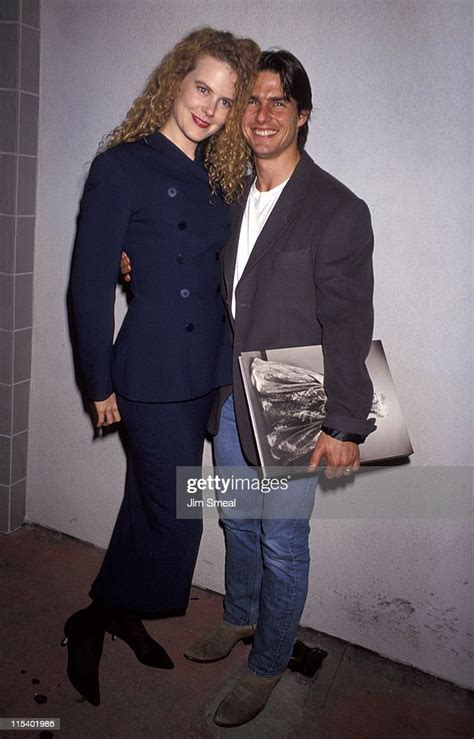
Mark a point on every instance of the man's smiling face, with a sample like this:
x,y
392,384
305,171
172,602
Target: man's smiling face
x,y
270,122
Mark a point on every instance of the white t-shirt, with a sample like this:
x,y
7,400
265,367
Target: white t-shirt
x,y
258,208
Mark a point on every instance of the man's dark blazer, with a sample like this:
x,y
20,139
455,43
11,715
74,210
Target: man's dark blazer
x,y
308,280
151,199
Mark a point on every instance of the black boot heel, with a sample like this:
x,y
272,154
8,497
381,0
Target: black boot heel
x,y
84,633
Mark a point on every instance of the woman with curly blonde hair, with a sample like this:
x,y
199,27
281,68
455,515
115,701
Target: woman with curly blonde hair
x,y
159,185
226,154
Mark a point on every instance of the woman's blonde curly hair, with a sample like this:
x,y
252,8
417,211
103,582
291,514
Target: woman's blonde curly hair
x,y
226,154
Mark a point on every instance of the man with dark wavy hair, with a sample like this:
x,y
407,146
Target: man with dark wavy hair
x,y
297,271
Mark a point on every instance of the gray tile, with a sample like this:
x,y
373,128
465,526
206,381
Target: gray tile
x,y
7,183
4,509
25,242
7,244
17,505
5,446
19,456
23,301
9,10
6,356
8,55
6,397
28,124
29,79
9,118
6,302
21,400
30,12
26,186
22,355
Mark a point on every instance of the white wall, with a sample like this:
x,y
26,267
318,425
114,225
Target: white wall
x,y
392,104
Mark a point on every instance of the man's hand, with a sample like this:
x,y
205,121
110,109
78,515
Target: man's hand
x,y
107,411
125,267
342,457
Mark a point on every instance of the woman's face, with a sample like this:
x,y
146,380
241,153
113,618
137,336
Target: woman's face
x,y
202,104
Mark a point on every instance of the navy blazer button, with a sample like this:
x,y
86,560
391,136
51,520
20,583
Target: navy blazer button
x,y
223,319
182,225
218,289
184,292
189,327
216,256
172,192
179,258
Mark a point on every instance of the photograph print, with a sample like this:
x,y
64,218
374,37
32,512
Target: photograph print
x,y
287,403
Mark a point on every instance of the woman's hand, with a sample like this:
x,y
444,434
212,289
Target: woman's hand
x,y
107,411
125,267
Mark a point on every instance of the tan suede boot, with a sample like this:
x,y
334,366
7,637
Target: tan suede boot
x,y
246,699
219,643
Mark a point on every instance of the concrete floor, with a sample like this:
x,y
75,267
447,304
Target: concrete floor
x,y
44,576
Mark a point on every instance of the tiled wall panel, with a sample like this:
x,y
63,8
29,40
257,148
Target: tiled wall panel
x,y
19,102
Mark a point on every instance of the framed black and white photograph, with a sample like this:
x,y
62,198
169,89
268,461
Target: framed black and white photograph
x,y
287,403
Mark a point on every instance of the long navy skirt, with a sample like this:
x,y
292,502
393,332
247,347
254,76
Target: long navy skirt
x,y
150,561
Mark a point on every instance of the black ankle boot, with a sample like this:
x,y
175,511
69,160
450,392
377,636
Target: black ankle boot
x,y
84,633
130,629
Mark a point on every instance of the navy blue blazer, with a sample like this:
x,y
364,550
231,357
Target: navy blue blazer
x,y
149,198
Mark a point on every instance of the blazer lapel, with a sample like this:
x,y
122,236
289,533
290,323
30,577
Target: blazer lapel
x,y
230,250
282,215
166,147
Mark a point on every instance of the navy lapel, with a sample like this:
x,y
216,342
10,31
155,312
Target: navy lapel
x,y
166,147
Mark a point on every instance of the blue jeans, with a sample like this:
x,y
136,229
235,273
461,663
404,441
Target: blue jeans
x,y
267,559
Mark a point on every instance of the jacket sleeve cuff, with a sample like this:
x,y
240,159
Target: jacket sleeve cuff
x,y
341,436
98,391
349,425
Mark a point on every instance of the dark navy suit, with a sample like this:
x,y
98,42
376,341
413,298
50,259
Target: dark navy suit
x,y
172,351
